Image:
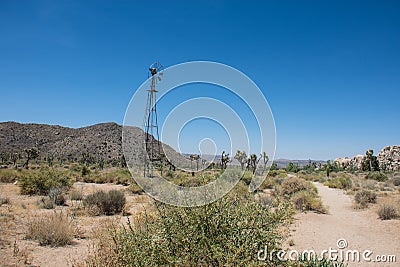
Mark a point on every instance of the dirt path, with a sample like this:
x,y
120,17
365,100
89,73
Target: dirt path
x,y
362,229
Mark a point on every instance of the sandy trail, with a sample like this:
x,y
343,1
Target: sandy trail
x,y
362,230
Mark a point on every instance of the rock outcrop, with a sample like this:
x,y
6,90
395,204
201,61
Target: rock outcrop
x,y
389,158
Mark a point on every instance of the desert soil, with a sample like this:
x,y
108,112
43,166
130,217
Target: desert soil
x,y
16,250
362,229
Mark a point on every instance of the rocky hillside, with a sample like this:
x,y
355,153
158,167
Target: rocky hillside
x,y
101,141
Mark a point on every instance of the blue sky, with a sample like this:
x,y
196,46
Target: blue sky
x,y
330,70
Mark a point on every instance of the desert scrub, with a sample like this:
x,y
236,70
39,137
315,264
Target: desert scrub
x,y
342,182
135,188
308,201
108,203
303,194
293,185
396,181
278,173
54,230
4,201
388,211
365,197
9,175
40,182
75,194
378,176
227,232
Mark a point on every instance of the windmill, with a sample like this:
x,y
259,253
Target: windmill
x,y
153,154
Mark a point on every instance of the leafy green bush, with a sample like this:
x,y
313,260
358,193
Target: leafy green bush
x,y
378,176
339,182
364,197
40,182
388,212
107,203
227,232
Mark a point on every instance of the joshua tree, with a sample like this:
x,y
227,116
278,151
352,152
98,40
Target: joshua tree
x,y
224,160
31,153
252,162
241,156
370,162
265,158
191,157
15,157
196,158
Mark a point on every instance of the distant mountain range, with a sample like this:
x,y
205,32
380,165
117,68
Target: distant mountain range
x,y
102,141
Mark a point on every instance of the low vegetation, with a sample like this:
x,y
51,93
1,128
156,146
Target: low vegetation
x,y
108,203
340,182
9,175
53,230
378,176
388,211
227,232
42,181
302,193
365,197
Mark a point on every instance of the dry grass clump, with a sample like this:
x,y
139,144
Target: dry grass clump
x,y
365,197
75,194
388,211
54,230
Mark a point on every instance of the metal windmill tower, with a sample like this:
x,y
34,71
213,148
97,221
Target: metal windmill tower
x,y
152,154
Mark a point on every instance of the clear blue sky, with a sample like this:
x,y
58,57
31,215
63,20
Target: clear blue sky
x,y
329,69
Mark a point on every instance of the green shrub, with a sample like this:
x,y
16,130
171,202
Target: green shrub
x,y
40,182
364,197
85,170
339,182
378,176
54,230
227,232
388,212
107,203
